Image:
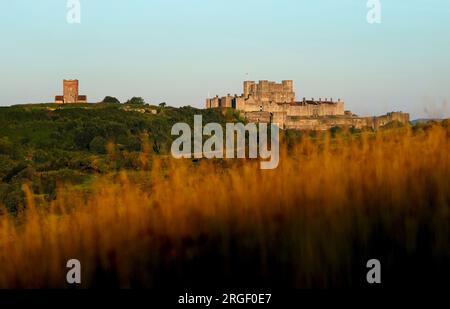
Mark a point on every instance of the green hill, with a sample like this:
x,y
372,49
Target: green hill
x,y
45,144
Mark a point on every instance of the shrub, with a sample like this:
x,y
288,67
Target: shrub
x,y
98,145
136,101
109,99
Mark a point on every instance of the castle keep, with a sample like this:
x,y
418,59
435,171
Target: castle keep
x,y
70,93
268,101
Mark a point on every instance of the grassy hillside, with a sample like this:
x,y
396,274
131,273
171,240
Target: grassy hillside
x,y
47,144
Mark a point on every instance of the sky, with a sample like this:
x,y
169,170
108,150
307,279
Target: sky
x,y
182,51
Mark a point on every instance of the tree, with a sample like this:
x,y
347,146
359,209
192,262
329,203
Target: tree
x,y
136,100
98,145
109,99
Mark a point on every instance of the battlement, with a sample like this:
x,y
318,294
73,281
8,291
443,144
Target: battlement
x,y
270,91
277,99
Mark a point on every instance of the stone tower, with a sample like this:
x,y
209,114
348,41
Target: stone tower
x,y
266,91
248,87
70,91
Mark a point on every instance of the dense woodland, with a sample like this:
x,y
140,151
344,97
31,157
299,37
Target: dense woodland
x,y
47,144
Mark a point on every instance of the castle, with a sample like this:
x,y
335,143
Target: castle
x,y
70,93
269,101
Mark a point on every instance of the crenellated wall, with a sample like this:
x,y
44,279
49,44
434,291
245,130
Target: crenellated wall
x,y
326,123
268,101
275,97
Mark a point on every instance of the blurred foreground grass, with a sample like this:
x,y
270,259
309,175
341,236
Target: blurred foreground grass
x,y
332,204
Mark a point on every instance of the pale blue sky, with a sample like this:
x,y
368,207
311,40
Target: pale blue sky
x,y
178,51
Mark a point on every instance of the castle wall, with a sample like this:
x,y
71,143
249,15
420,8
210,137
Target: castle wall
x,y
212,103
226,102
316,110
389,118
268,101
297,109
82,99
59,99
326,123
239,103
258,117
279,118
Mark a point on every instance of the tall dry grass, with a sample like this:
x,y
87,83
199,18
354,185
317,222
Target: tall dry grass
x,y
330,206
